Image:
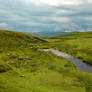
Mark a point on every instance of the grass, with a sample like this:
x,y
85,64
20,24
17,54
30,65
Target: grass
x,y
76,35
20,55
76,44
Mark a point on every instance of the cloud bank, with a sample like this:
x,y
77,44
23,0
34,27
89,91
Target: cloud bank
x,y
46,15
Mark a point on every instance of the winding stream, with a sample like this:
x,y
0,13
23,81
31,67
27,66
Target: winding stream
x,y
80,65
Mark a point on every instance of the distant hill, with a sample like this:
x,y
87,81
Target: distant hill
x,y
48,34
76,35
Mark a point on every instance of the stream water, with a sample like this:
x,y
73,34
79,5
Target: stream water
x,y
79,63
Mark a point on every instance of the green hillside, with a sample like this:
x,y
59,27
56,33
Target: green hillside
x,y
76,35
21,38
25,68
76,44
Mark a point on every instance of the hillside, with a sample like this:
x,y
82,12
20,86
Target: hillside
x,y
19,37
76,44
76,35
13,40
25,68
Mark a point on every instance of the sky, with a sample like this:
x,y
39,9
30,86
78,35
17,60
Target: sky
x,y
36,16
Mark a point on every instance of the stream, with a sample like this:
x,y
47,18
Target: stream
x,y
80,65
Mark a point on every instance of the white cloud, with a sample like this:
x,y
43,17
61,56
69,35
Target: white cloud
x,y
4,25
89,1
62,11
32,23
46,15
16,18
57,19
55,2
88,18
4,12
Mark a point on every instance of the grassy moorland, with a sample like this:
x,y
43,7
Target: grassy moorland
x,y
24,68
76,35
76,44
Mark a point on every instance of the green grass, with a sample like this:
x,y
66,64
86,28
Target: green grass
x,y
76,44
20,55
76,35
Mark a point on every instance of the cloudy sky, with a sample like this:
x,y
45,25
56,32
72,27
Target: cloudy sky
x,y
46,15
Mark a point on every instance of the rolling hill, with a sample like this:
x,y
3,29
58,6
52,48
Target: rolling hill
x,y
25,68
76,35
77,44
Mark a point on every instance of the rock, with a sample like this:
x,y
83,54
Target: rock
x,y
40,44
33,91
22,75
12,56
31,47
28,58
21,58
8,54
